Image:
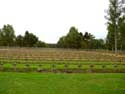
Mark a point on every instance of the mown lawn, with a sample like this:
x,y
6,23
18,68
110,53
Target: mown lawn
x,y
50,83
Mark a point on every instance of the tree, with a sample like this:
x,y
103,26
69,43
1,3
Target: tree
x,y
98,44
122,33
74,38
19,41
88,38
7,35
71,40
77,40
1,40
114,13
110,41
40,44
61,42
30,39
8,38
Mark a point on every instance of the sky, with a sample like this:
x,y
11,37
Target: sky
x,y
51,19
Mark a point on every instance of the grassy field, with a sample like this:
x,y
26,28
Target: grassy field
x,y
62,71
22,58
37,83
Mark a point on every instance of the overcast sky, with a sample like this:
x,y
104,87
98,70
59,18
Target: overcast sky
x,y
51,19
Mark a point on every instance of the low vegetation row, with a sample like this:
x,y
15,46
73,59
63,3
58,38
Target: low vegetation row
x,y
64,68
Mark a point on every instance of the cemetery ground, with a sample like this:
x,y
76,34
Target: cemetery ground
x,y
61,71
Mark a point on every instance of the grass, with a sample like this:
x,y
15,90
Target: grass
x,y
61,66
72,68
27,82
59,61
37,83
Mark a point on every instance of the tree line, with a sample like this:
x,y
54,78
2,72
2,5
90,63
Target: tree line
x,y
116,25
73,39
114,41
8,38
77,40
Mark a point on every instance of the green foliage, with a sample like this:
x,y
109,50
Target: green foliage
x,y
51,45
88,40
73,38
7,36
116,26
61,42
97,44
29,39
19,41
77,40
122,33
110,37
40,44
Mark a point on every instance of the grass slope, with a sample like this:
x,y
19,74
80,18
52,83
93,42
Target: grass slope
x,y
37,83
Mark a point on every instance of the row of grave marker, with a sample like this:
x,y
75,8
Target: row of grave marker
x,y
53,66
